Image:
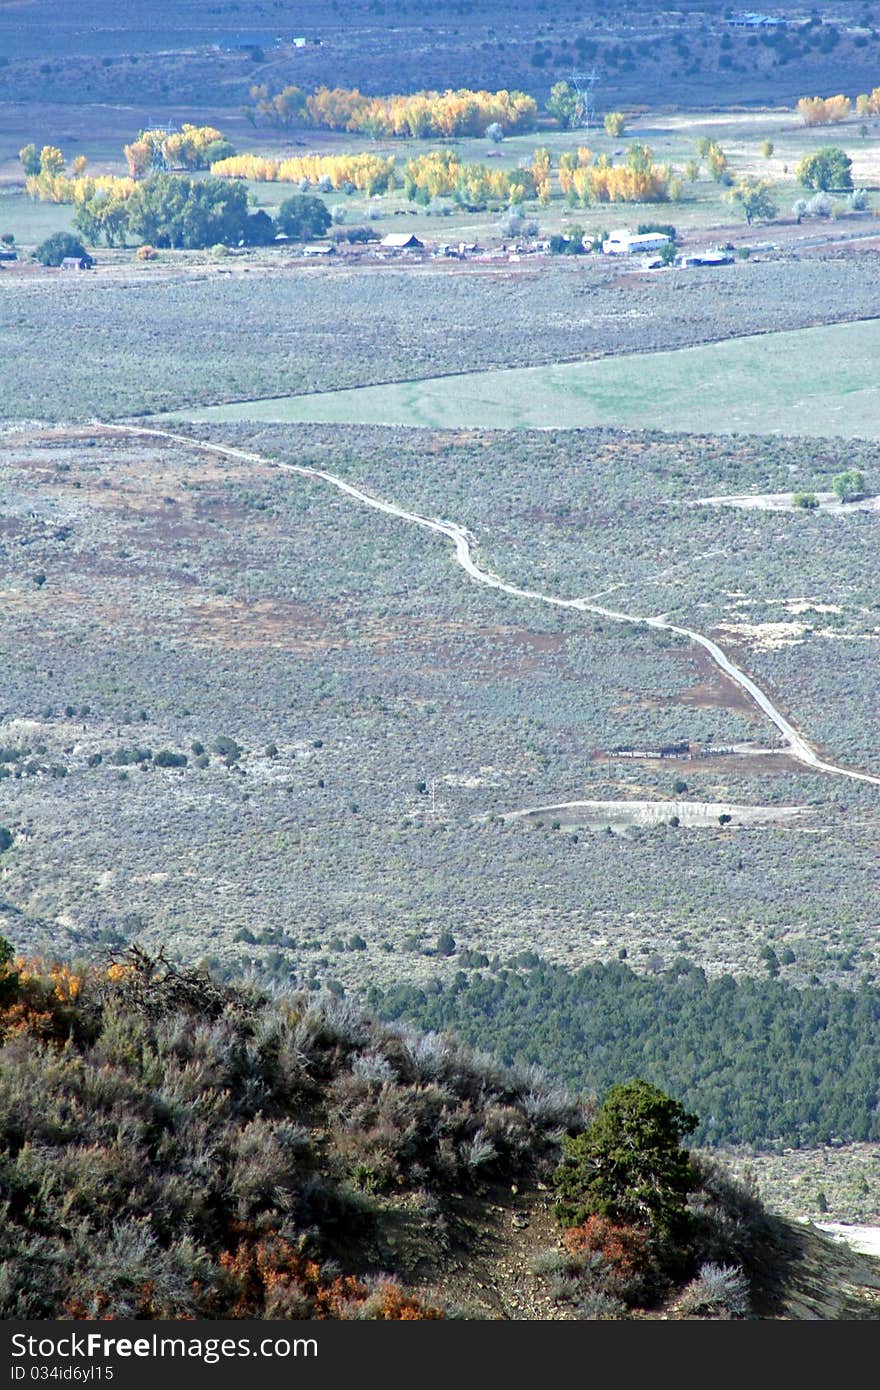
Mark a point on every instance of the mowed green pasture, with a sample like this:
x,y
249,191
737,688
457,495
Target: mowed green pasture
x,y
30,222
814,381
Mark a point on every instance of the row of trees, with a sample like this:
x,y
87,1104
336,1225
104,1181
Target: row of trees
x,y
171,210
586,180
832,110
824,110
368,173
441,174
418,115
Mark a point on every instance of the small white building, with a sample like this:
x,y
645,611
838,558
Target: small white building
x,y
626,243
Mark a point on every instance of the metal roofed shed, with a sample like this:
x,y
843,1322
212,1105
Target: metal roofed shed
x,y
624,243
713,256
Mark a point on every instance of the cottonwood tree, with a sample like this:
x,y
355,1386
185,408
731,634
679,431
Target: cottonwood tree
x,y
826,168
755,197
849,485
566,104
304,216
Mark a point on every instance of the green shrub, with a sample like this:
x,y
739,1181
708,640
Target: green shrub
x,y
849,485
166,758
59,247
629,1165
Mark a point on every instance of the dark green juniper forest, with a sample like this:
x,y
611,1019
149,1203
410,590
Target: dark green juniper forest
x,y
439,662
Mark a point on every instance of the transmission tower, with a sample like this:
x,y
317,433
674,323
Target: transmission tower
x,y
584,84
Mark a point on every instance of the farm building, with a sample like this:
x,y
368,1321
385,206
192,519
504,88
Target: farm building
x,y
714,257
74,263
750,19
319,248
401,241
626,243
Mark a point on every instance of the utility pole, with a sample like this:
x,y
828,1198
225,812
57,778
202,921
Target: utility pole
x,y
433,796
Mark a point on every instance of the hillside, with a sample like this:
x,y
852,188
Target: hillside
x,y
190,52
173,1147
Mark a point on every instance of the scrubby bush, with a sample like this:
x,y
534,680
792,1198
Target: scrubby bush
x,y
820,206
719,1290
167,758
626,1258
226,747
154,1154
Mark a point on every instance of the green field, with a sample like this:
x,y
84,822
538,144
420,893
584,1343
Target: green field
x,y
814,381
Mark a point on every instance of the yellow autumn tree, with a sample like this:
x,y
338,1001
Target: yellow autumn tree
x,y
139,158
569,163
868,103
187,146
51,160
824,110
540,171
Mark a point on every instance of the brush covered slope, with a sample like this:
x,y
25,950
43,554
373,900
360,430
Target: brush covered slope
x,y
173,1147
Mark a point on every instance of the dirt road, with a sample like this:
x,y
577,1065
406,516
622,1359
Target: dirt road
x,y
465,544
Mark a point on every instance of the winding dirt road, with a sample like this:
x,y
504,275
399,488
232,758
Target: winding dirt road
x,y
465,543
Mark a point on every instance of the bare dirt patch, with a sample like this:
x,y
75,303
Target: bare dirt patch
x,y
253,625
690,815
782,502
714,690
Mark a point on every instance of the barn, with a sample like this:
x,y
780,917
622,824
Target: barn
x,y
402,241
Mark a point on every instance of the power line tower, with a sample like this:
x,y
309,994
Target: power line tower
x,y
584,84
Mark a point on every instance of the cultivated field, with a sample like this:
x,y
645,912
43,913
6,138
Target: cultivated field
x,y
814,381
174,334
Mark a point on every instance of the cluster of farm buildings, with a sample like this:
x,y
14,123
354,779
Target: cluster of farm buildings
x,y
620,242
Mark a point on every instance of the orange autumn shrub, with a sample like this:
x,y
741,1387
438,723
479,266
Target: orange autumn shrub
x,y
624,1250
